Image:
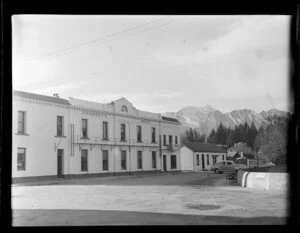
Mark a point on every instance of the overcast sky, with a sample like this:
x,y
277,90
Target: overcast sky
x,y
159,63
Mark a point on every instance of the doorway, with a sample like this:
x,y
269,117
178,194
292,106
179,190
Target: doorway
x,y
203,162
164,163
60,156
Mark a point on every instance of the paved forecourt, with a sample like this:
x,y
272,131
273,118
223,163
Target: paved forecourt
x,y
195,198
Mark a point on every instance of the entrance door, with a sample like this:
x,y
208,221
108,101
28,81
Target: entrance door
x,y
60,156
164,163
203,162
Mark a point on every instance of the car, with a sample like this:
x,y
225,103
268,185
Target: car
x,y
227,166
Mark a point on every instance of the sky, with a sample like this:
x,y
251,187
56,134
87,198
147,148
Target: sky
x,y
159,63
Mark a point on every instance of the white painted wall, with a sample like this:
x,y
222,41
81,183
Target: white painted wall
x,y
186,156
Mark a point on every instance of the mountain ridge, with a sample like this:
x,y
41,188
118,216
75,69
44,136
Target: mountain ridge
x,y
206,118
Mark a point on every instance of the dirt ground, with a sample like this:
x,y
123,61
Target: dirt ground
x,y
196,198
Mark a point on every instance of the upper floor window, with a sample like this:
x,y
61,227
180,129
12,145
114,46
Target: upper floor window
x,y
223,157
84,128
21,122
124,109
60,126
105,130
176,141
170,140
153,135
123,132
139,133
165,140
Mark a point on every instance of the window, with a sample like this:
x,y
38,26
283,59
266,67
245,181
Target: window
x,y
214,160
176,142
153,135
153,159
207,159
124,109
198,160
223,157
173,161
84,128
21,122
123,132
21,159
170,140
105,130
123,159
60,126
84,160
140,160
165,140
139,133
105,160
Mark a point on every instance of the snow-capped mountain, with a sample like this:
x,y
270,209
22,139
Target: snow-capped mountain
x,y
206,118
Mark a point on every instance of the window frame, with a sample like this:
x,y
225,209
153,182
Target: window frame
x,y
154,160
173,161
82,159
105,154
153,135
62,126
139,133
23,122
105,130
82,127
139,159
123,153
123,132
24,159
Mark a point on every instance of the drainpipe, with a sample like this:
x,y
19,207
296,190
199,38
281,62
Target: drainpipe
x,y
114,139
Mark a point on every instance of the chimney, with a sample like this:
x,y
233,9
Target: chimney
x,y
56,95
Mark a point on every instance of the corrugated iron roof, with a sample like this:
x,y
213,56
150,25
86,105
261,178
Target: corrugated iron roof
x,y
204,147
41,97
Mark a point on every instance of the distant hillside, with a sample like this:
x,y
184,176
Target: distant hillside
x,y
206,118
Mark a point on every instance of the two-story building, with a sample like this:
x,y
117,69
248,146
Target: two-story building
x,y
58,137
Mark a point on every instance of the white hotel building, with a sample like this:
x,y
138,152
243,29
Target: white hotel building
x,y
55,137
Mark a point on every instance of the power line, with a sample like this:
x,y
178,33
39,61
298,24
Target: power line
x,y
133,30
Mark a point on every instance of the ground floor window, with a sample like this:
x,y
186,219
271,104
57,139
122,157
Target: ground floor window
x,y
21,159
153,159
198,159
140,160
215,160
105,160
123,159
207,159
84,160
173,161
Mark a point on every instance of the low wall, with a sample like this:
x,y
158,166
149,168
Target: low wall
x,y
263,180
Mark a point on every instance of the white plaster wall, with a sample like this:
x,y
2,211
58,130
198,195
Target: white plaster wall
x,y
41,156
186,159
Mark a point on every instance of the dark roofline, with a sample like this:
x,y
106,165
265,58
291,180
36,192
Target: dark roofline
x,y
45,98
224,151
169,119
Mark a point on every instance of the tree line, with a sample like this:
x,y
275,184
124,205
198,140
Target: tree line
x,y
268,142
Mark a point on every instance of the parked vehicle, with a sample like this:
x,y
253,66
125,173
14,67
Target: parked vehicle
x,y
227,166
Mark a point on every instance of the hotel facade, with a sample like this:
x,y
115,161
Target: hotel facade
x,y
55,137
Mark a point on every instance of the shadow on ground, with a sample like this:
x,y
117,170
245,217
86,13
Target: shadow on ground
x,y
183,179
39,217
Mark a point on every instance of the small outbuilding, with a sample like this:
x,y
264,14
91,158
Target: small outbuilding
x,y
196,156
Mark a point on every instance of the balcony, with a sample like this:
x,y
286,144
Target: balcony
x,y
171,147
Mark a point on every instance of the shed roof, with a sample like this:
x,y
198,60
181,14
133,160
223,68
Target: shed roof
x,y
204,147
41,97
